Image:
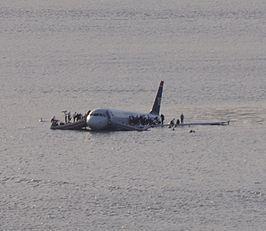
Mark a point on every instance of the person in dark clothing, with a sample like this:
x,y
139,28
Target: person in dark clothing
x,y
75,117
53,119
162,118
177,123
65,117
182,118
79,116
55,123
172,123
86,114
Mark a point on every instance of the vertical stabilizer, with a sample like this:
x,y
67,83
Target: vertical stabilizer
x,y
157,102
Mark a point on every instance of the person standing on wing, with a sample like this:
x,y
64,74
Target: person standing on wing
x,y
182,118
177,123
172,123
162,118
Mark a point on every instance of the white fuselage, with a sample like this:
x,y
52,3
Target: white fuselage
x,y
111,119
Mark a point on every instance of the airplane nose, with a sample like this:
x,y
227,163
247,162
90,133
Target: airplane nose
x,y
96,123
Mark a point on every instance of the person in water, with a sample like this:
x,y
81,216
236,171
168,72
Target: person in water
x,y
182,118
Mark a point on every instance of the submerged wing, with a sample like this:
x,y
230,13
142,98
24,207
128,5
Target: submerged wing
x,y
217,123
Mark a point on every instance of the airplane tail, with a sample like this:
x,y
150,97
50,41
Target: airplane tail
x,y
157,102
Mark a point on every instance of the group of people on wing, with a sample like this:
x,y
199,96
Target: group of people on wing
x,y
68,118
142,120
54,121
76,117
178,121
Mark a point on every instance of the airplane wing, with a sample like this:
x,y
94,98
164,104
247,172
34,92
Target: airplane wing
x,y
218,123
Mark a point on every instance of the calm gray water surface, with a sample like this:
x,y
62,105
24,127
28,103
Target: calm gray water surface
x,y
78,55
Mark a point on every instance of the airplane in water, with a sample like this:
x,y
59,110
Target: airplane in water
x,y
118,120
102,119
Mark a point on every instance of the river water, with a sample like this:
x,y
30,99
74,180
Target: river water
x,y
79,55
